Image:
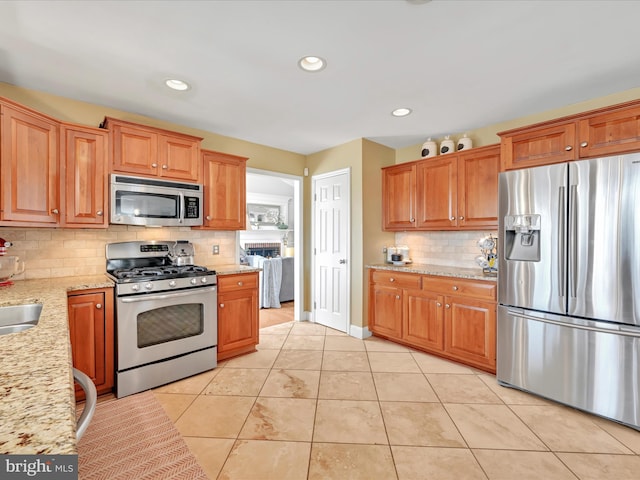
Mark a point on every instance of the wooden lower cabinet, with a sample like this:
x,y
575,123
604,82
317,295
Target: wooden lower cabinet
x,y
91,328
237,314
450,317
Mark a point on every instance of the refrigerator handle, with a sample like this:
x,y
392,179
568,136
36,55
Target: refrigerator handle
x,y
561,241
573,232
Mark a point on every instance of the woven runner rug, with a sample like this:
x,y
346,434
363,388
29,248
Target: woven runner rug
x,y
133,438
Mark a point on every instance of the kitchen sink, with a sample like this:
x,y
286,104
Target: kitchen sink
x,y
16,318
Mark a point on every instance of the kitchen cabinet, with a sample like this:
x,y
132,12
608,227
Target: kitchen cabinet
x,y
85,152
91,329
224,180
237,314
449,192
606,131
450,317
153,152
29,160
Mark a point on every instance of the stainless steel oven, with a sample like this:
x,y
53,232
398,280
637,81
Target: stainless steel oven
x,y
166,326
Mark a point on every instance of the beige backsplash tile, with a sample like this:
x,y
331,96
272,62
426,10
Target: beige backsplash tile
x,y
455,249
63,252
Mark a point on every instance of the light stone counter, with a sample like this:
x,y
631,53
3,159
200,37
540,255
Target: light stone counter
x,y
37,403
443,271
231,269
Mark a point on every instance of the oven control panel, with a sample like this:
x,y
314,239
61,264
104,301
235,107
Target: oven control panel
x,y
157,286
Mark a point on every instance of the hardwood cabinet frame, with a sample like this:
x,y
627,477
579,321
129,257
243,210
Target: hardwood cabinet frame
x,y
238,322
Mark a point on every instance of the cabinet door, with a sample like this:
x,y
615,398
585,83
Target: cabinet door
x,y
385,311
437,197
541,146
30,169
399,197
85,156
92,341
478,188
610,133
424,319
224,191
470,331
179,158
237,321
135,150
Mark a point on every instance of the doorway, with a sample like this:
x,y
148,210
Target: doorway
x,y
331,249
283,192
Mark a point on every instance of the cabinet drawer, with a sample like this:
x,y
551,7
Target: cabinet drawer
x,y
230,283
395,279
457,286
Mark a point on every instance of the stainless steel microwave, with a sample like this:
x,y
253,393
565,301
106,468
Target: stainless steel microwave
x,y
155,203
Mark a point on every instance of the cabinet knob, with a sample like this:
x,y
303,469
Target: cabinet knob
x,y
447,305
98,306
412,219
208,217
164,167
392,279
99,213
568,148
154,165
584,144
438,304
461,217
455,287
240,284
397,297
55,211
222,305
452,218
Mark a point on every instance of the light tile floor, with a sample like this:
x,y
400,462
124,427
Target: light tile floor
x,y
313,403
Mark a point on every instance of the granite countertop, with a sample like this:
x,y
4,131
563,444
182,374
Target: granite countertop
x,y
37,403
231,269
441,270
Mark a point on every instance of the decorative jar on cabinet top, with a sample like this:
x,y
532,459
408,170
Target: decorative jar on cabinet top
x,y
447,146
465,143
429,149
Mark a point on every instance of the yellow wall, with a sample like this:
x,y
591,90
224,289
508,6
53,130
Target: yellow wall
x,y
488,135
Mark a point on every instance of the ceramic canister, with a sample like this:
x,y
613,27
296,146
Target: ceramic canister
x,y
446,146
429,149
464,143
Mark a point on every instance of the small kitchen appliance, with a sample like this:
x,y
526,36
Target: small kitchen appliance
x,y
398,255
166,309
10,265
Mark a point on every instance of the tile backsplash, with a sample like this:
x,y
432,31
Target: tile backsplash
x,y
59,252
455,249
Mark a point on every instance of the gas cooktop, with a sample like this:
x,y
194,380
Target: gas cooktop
x,y
160,272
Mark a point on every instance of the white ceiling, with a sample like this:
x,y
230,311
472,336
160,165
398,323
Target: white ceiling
x,y
459,65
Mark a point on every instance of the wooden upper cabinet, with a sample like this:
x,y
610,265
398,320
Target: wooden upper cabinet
x,y
478,187
224,179
399,197
153,152
29,162
437,193
606,131
85,153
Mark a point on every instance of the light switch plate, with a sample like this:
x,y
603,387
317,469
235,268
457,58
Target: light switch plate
x,y
216,250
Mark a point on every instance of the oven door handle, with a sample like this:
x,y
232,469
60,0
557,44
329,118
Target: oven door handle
x,y
145,298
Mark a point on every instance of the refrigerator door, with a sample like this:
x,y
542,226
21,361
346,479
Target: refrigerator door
x,y
532,213
604,239
586,364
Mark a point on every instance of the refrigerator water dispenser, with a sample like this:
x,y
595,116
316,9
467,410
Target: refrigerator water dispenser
x,y
522,237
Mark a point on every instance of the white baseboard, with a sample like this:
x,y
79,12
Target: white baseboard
x,y
359,332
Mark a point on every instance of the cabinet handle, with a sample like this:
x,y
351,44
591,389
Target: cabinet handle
x,y
397,297
584,144
455,287
164,167
98,306
240,284
154,165
99,213
568,148
461,217
452,218
222,305
392,279
55,211
447,306
438,304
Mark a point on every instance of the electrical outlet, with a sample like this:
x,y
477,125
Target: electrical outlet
x,y
384,249
216,250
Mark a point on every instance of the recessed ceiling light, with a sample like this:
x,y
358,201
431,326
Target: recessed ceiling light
x,y
176,84
401,112
312,64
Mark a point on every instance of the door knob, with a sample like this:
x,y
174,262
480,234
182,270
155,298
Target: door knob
x,y
342,261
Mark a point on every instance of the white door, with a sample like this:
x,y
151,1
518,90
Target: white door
x,y
331,271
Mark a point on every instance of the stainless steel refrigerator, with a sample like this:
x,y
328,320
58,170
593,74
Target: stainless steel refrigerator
x,y
569,284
